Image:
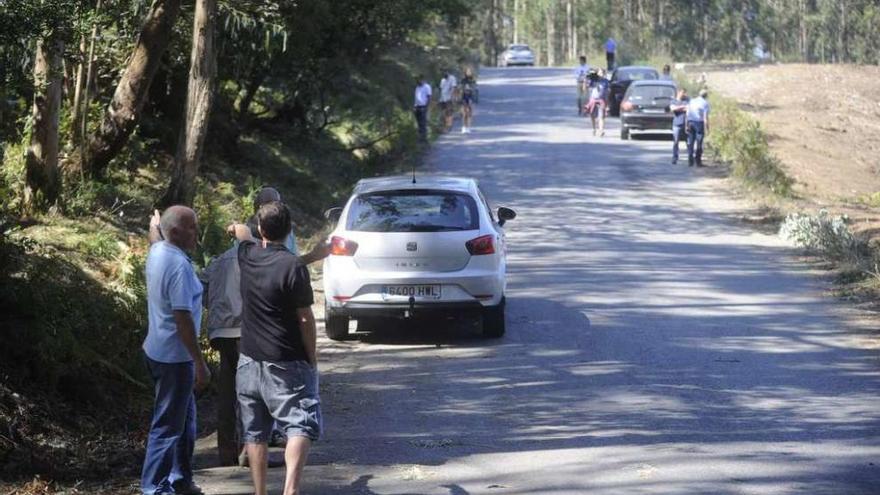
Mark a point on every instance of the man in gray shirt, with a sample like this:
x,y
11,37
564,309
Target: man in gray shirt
x,y
222,285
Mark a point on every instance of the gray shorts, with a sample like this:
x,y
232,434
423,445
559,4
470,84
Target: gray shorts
x,y
283,391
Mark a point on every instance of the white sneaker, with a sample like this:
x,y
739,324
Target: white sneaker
x,y
464,130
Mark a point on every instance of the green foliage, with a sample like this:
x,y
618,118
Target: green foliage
x,y
67,333
737,138
219,205
825,235
12,172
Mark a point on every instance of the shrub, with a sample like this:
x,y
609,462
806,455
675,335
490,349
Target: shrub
x,y
738,138
825,235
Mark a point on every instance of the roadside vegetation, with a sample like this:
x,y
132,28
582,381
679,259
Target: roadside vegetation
x,y
307,98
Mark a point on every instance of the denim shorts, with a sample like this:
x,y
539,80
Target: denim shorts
x,y
285,392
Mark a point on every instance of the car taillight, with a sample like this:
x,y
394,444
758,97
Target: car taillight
x,y
339,246
481,245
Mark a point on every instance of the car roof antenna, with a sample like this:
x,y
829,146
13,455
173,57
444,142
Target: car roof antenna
x,y
414,173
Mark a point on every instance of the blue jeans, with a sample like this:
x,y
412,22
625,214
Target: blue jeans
x,y
677,131
168,460
695,142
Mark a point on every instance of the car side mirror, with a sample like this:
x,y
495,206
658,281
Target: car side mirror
x,y
333,214
505,214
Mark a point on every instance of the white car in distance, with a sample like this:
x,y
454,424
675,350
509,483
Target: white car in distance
x,y
407,247
517,54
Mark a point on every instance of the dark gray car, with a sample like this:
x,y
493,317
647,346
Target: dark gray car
x,y
645,107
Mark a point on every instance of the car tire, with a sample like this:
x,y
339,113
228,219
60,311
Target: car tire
x,y
493,321
335,325
624,133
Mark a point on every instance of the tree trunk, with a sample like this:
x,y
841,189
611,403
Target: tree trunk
x,y
569,35
550,18
121,116
841,34
77,90
41,174
802,16
202,77
79,120
574,33
516,21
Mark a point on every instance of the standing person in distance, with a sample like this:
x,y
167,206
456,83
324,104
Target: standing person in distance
x,y
610,52
277,377
697,127
580,76
666,75
678,106
422,99
171,352
468,86
447,91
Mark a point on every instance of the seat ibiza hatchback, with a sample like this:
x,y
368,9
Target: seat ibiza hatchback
x,y
416,249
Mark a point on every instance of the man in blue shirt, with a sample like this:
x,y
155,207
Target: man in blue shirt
x,y
610,49
697,127
172,355
678,106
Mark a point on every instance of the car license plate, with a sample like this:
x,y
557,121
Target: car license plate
x,y
417,291
654,110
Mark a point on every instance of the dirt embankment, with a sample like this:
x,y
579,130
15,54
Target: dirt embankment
x,y
823,122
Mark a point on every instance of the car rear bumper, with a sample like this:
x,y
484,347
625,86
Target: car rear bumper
x,y
480,283
405,310
644,122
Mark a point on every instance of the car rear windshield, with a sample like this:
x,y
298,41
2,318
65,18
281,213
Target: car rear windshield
x,y
413,211
651,93
637,74
519,48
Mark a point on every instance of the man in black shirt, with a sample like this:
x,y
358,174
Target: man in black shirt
x,y
277,377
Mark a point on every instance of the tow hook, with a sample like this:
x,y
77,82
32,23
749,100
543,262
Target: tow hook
x,y
409,313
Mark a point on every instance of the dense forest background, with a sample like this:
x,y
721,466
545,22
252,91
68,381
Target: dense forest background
x,y
110,108
827,31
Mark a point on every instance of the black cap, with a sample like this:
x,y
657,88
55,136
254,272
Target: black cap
x,y
266,195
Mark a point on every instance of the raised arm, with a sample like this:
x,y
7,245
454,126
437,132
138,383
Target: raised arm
x,y
240,231
155,233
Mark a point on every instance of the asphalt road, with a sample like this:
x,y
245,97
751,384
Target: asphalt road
x,y
655,343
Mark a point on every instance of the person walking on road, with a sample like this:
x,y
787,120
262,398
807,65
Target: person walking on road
x,y
610,52
580,76
447,91
171,352
468,87
697,127
678,106
420,107
597,105
277,377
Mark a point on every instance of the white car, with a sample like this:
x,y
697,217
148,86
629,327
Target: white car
x,y
411,249
517,55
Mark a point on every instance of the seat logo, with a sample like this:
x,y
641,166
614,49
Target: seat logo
x,y
412,246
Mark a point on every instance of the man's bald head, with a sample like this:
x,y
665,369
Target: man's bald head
x,y
179,226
